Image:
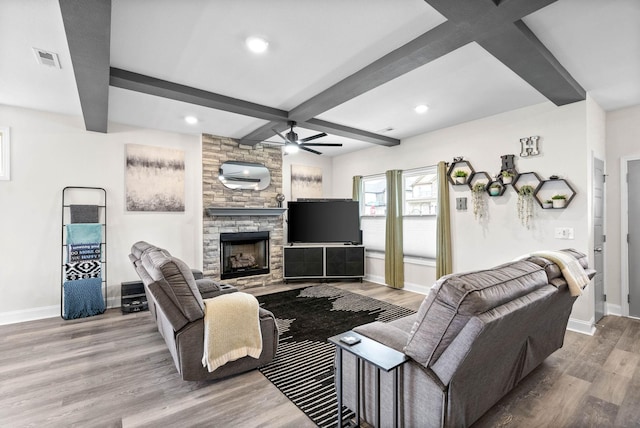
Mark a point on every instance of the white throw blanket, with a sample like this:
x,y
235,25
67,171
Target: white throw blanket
x,y
571,269
231,329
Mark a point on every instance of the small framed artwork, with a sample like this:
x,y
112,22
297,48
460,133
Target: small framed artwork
x,y
306,182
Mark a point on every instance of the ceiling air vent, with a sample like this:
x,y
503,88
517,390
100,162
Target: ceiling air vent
x,y
46,58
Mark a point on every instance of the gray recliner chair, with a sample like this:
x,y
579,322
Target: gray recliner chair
x,y
175,300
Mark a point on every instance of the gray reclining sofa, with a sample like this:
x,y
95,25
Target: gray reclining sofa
x,y
175,300
475,336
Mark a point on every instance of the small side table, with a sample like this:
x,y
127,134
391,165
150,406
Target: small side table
x,y
382,357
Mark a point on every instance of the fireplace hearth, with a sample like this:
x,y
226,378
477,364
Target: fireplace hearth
x,y
244,254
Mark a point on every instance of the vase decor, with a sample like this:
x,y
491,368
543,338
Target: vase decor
x,y
507,176
525,205
494,189
559,201
547,204
461,176
477,195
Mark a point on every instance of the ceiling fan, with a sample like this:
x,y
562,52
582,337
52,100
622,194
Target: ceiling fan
x,y
291,141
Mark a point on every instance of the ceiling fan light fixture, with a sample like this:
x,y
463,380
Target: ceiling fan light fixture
x,y
421,108
257,44
291,148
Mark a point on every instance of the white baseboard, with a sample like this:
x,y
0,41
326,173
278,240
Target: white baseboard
x,y
417,288
29,314
612,309
580,326
408,286
375,279
43,312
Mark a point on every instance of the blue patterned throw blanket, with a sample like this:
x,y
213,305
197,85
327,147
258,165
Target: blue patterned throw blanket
x,y
84,233
83,298
82,270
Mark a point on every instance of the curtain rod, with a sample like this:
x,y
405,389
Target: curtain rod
x,y
404,170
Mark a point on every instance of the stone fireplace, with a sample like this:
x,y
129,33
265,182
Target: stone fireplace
x,y
228,211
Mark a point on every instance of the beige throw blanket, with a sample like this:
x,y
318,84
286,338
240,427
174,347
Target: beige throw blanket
x,y
571,269
231,329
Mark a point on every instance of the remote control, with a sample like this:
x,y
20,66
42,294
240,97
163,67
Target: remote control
x,y
350,340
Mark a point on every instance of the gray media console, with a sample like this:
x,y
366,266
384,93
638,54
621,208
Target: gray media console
x,y
324,261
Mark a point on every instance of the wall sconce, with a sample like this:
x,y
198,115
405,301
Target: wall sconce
x,y
529,146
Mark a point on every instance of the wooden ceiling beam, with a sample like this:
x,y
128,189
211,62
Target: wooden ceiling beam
x,y
162,88
499,29
87,24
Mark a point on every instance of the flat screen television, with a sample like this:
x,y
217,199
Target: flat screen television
x,y
326,220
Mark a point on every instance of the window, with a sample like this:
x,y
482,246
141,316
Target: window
x,y
373,210
420,191
420,198
4,154
375,196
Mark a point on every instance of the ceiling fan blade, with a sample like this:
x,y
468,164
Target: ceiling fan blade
x,y
308,149
313,137
323,144
272,143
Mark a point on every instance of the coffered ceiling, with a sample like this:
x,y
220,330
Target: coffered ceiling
x,y
353,69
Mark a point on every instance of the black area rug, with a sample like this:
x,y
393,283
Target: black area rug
x,y
303,366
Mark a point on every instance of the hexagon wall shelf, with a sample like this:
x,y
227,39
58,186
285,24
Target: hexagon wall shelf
x,y
479,177
460,165
554,186
527,178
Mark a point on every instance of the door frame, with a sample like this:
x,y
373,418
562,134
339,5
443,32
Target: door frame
x,y
624,230
606,306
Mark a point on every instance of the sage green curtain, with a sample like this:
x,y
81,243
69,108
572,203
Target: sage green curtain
x,y
443,224
357,187
393,263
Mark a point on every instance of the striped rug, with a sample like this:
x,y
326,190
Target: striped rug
x,y
303,366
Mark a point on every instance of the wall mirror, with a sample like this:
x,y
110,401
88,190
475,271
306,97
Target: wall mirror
x,y
244,175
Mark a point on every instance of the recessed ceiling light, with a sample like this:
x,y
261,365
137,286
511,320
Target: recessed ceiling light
x,y
257,44
191,120
422,108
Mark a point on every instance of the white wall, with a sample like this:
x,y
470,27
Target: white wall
x,y
476,245
623,141
49,152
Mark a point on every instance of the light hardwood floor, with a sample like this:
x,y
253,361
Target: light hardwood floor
x,y
115,370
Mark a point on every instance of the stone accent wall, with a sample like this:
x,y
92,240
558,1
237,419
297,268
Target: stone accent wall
x,y
216,151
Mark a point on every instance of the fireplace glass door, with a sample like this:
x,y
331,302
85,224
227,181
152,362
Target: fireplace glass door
x,y
244,254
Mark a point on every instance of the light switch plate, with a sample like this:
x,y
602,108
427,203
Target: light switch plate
x,y
563,233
